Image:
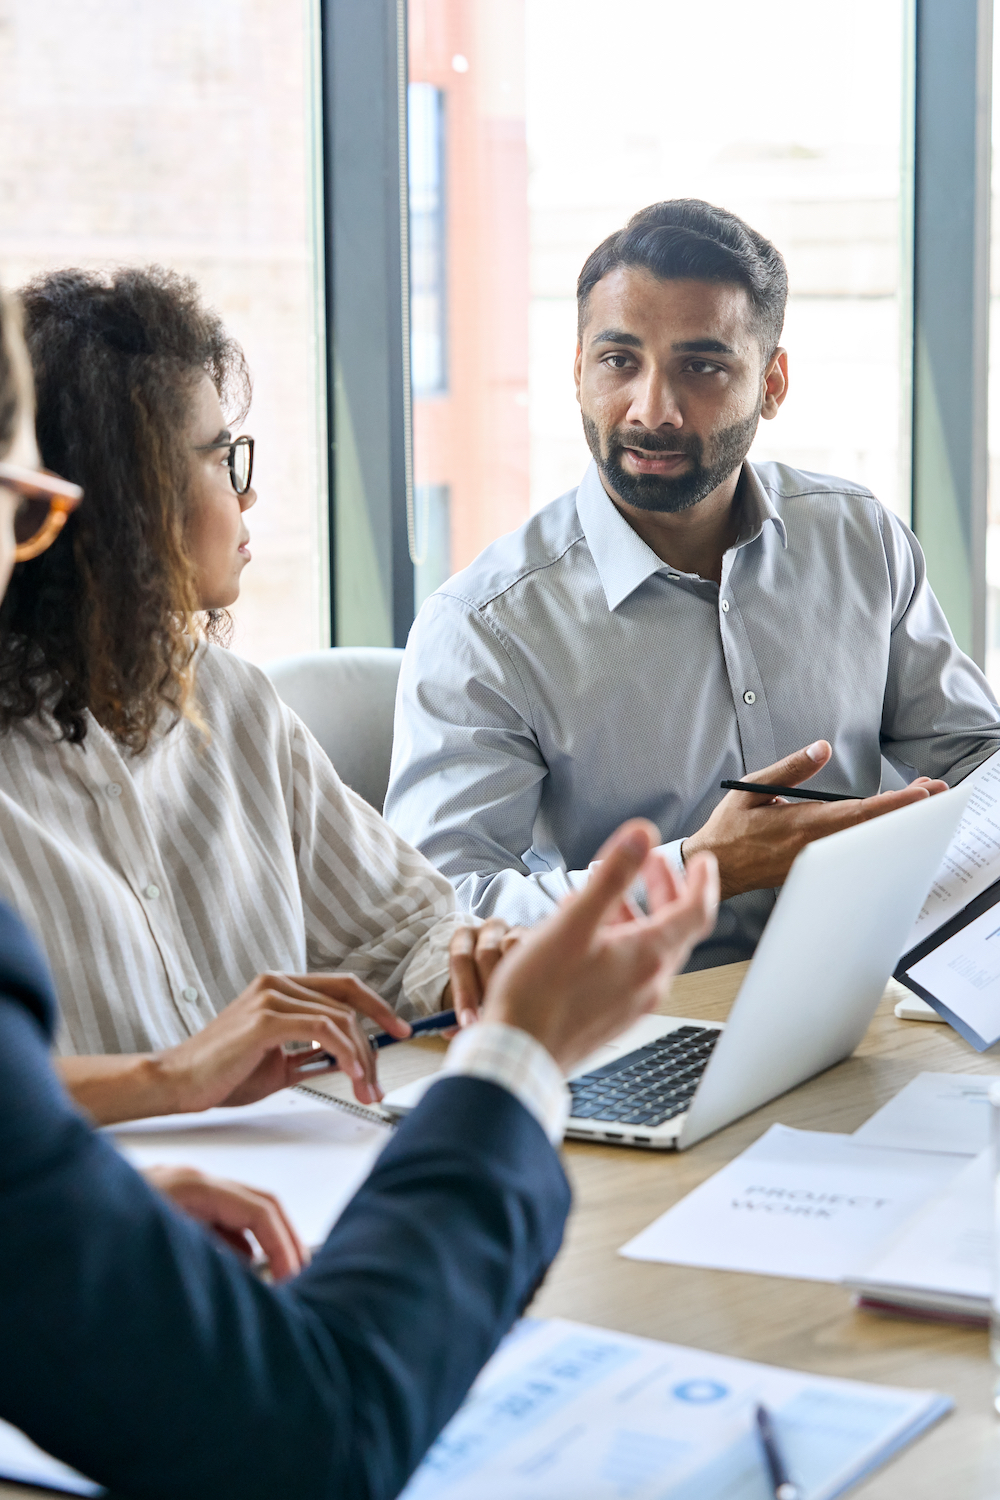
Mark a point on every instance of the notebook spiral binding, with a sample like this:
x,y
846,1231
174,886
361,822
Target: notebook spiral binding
x,y
360,1110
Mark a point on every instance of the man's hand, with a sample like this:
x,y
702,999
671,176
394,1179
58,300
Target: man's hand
x,y
473,954
581,977
239,1056
756,838
234,1212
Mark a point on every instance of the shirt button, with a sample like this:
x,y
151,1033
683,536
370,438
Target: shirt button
x,y
725,606
190,993
113,789
749,697
152,891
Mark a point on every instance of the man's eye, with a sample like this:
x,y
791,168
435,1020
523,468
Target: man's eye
x,y
617,361
703,367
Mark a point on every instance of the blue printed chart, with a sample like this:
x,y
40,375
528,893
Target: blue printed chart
x,y
567,1412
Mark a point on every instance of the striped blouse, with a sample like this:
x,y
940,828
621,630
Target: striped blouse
x,y
161,884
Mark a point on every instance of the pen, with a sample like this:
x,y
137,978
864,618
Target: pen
x,y
319,1062
786,791
439,1022
782,1487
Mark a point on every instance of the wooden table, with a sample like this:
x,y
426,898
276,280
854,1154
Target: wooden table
x,y
803,1324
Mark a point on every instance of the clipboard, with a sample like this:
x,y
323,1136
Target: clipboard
x,y
979,1035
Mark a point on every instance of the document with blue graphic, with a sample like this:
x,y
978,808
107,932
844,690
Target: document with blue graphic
x,y
564,1411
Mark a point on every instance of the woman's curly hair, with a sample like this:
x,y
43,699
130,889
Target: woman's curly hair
x,y
105,620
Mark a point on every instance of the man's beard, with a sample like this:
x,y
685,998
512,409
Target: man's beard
x,y
660,492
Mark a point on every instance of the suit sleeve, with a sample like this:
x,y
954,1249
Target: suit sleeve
x,y
147,1356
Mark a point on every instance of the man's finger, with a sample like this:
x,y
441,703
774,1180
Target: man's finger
x,y
793,769
886,802
616,865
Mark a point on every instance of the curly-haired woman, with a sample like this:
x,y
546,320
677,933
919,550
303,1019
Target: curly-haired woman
x,y
205,887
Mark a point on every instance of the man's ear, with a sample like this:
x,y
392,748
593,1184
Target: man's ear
x,y
578,367
775,384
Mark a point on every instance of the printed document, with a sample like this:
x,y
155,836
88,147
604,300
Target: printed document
x,y
972,860
941,1257
567,1412
310,1154
798,1203
964,975
947,1112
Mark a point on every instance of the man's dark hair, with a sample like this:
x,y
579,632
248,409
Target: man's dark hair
x,y
686,239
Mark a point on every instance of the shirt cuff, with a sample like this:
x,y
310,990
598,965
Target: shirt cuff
x,y
672,854
518,1063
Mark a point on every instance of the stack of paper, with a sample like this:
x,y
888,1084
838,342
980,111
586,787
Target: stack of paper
x,y
564,1411
900,1212
940,1260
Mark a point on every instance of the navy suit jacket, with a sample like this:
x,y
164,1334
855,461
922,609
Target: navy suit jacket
x,y
144,1353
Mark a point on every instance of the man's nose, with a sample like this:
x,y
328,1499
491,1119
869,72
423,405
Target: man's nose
x,y
654,403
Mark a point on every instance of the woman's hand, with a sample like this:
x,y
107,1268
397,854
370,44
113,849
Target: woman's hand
x,y
234,1212
473,954
240,1057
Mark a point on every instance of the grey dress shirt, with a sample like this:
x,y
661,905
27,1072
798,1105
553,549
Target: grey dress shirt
x,y
569,679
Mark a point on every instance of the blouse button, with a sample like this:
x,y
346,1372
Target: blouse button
x,y
152,891
749,697
725,606
113,789
190,993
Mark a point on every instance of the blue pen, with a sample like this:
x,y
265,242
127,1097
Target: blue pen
x,y
320,1061
439,1022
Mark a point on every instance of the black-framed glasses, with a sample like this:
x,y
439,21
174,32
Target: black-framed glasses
x,y
44,505
239,459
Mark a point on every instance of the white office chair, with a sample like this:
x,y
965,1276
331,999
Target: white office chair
x,y
346,697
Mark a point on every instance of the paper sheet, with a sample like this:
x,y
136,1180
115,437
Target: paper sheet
x,y
972,861
798,1203
311,1155
23,1463
564,1411
935,1112
964,974
946,1247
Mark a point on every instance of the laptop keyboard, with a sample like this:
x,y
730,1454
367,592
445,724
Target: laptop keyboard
x,y
648,1086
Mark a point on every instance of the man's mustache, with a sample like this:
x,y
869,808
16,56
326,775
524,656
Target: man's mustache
x,y
651,443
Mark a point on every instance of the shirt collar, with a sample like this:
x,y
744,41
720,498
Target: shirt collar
x,y
623,560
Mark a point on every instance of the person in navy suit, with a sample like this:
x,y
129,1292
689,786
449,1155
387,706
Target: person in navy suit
x,y
139,1348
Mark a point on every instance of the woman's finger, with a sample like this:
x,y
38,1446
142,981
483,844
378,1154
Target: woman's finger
x,y
349,990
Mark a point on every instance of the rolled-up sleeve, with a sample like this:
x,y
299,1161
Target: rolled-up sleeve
x,y
374,907
940,717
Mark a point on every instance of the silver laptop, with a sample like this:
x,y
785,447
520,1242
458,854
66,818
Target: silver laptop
x,y
821,966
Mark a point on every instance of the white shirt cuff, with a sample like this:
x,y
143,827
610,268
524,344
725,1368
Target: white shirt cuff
x,y
517,1062
672,854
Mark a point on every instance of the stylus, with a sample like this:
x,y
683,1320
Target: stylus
x,y
786,791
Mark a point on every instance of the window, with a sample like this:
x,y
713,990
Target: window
x,y
185,134
560,122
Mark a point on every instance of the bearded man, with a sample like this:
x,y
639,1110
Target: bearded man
x,y
682,618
